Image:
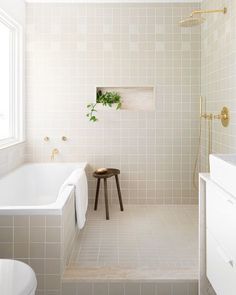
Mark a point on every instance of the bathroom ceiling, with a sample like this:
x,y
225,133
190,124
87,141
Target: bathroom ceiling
x,y
114,1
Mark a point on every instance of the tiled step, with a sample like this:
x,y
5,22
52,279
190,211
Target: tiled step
x,y
97,274
145,250
128,281
161,287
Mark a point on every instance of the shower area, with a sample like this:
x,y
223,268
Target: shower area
x,y
72,50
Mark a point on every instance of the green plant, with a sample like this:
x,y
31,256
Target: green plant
x,y
106,99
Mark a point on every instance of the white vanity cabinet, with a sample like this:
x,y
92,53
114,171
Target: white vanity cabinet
x,y
220,239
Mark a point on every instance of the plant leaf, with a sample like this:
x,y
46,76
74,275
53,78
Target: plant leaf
x,y
106,99
118,106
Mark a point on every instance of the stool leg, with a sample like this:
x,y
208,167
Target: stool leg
x,y
106,198
97,194
119,193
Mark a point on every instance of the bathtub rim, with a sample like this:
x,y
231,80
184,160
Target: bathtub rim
x,y
55,208
81,165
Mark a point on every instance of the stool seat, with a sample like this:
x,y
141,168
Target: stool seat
x,y
113,170
103,175
109,173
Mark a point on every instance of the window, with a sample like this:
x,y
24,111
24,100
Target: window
x,y
11,111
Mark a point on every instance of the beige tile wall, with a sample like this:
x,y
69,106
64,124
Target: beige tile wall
x,y
219,75
35,240
218,78
72,48
40,241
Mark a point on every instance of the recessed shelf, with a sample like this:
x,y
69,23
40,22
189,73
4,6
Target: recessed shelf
x,y
136,98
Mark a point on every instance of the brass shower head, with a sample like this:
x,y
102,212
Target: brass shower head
x,y
191,21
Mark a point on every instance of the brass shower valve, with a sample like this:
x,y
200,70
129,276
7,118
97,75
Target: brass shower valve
x,y
207,116
223,116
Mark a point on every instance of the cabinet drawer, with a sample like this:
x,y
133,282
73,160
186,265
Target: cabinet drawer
x,y
220,269
221,217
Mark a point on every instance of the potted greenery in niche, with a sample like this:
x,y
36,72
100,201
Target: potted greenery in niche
x,y
106,99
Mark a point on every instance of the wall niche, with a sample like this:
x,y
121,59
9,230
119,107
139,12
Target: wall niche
x,y
136,98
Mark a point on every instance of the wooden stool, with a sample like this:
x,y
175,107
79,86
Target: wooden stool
x,y
109,173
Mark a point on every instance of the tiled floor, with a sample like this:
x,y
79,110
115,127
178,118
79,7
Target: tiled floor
x,y
145,243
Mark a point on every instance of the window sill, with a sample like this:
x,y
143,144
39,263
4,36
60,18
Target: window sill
x,y
10,143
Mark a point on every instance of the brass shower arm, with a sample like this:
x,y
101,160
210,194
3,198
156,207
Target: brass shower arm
x,y
224,11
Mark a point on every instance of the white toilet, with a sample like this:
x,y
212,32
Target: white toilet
x,y
16,278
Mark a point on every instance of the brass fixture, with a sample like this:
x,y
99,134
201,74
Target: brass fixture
x,y
54,153
224,11
64,138
197,159
207,116
46,139
196,18
200,104
223,117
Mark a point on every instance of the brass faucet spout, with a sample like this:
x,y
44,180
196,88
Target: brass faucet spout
x,y
54,153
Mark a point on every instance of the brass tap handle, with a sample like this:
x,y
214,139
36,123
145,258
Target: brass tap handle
x,y
207,116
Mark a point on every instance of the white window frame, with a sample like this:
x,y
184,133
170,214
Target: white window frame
x,y
16,93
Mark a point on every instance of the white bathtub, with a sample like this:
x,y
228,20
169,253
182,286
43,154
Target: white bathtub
x,y
33,189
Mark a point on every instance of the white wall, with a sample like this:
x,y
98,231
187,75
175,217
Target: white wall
x,y
15,8
13,156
